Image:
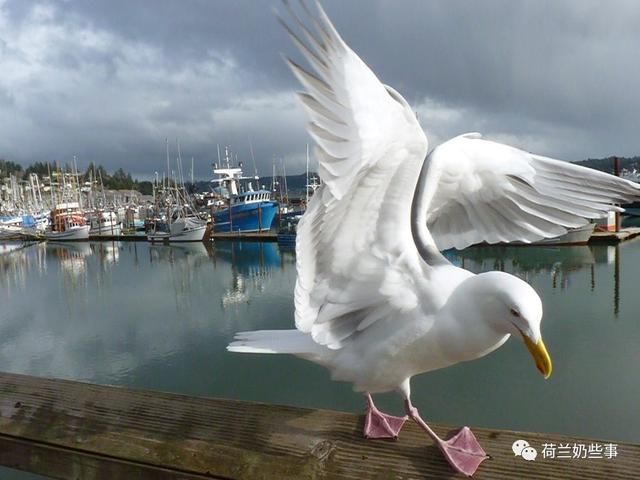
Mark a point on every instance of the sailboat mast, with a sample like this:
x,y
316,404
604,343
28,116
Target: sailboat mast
x,y
286,189
306,188
255,168
166,141
179,166
77,181
53,203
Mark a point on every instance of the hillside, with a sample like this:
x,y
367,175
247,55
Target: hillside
x,y
606,164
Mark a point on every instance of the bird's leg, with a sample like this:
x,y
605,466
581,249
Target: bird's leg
x,y
380,425
462,451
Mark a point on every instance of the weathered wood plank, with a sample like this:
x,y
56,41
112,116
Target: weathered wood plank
x,y
74,430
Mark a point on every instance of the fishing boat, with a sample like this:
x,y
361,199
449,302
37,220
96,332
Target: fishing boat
x,y
174,217
104,223
247,209
179,222
10,232
27,227
181,228
289,222
102,215
67,223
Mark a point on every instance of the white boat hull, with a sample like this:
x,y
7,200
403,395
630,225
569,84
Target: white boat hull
x,y
72,233
103,224
195,234
106,231
10,232
575,236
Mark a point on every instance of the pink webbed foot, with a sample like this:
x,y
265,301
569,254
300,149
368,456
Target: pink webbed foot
x,y
381,425
463,452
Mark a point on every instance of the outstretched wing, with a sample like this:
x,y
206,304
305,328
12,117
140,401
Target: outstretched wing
x,y
490,192
355,256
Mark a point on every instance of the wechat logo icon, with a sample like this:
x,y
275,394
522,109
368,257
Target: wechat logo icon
x,y
522,449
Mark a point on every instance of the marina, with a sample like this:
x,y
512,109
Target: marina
x,y
443,286
158,317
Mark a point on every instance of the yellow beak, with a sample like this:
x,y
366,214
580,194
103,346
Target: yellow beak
x,y
540,355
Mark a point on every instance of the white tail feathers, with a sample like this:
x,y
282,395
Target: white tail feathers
x,y
274,341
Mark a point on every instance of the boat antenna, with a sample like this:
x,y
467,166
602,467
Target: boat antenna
x,y
51,185
166,140
284,176
307,186
180,164
255,168
77,182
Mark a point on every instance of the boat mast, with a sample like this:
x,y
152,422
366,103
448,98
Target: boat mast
x,y
167,187
180,165
255,168
307,186
77,182
53,203
286,189
166,141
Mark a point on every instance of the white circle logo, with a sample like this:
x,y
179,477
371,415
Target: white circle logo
x,y
529,454
518,446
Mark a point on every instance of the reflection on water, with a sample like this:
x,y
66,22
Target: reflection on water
x,y
108,252
72,260
560,263
16,259
160,316
251,266
185,262
97,310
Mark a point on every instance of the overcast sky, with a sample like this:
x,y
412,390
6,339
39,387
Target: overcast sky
x,y
109,80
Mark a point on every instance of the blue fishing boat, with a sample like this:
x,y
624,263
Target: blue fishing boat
x,y
245,209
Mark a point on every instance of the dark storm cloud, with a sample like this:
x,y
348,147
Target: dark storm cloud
x,y
110,80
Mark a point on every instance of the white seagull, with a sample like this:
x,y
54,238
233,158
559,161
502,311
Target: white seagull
x,y
375,301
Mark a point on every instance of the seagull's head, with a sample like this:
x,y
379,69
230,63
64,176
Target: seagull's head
x,y
513,307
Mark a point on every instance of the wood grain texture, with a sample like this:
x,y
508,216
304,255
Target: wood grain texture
x,y
73,430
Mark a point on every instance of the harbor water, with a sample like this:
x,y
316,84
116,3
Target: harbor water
x,y
159,317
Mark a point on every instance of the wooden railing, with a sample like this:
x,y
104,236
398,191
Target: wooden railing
x,y
72,430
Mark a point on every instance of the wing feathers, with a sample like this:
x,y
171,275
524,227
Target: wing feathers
x,y
317,87
489,192
357,264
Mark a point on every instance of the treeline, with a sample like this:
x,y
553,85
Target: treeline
x,y
119,180
9,168
607,164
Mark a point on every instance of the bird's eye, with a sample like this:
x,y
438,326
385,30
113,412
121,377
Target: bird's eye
x,y
515,312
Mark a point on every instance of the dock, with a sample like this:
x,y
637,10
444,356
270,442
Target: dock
x,y
622,235
72,430
246,236
598,237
